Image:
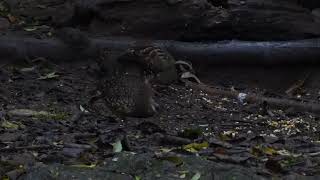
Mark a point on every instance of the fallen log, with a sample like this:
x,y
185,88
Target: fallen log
x,y
186,20
214,53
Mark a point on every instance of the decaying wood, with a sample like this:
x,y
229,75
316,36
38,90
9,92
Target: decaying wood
x,y
219,53
273,19
254,98
197,19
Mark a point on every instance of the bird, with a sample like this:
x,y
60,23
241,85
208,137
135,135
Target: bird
x,y
158,63
127,91
124,85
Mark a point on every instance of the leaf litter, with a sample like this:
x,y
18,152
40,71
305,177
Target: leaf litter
x,y
190,124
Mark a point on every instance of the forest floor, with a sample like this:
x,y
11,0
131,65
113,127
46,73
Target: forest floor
x,y
49,131
45,119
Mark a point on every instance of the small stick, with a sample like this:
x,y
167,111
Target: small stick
x,y
299,84
253,98
30,148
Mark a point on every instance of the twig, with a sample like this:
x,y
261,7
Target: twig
x,y
253,98
297,85
314,154
30,148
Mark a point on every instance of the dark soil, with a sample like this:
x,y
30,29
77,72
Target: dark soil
x,y
251,134
47,124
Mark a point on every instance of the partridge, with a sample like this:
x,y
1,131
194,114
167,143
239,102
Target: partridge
x,y
127,91
157,63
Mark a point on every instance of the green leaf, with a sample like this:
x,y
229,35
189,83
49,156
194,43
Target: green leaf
x,y
195,147
49,76
137,178
117,146
263,150
38,114
27,113
84,165
9,125
5,178
196,176
269,151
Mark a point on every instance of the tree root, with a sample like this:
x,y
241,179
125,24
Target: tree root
x,y
218,53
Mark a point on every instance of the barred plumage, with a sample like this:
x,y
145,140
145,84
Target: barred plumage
x,y
156,61
128,92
